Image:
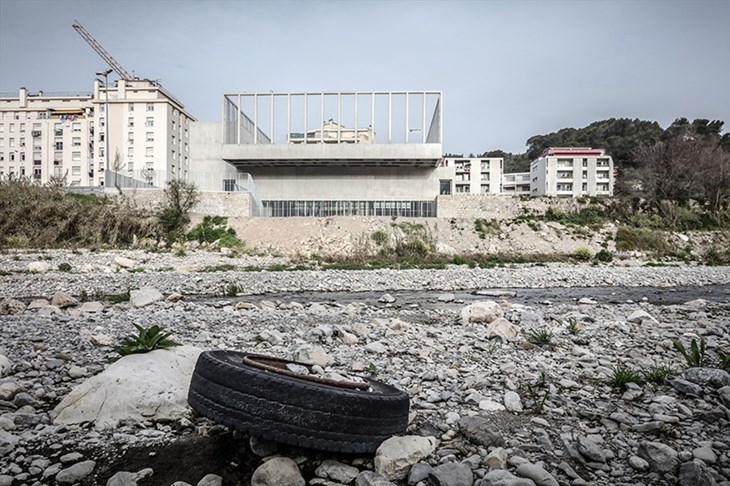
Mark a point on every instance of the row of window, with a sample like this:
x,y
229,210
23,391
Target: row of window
x,y
416,209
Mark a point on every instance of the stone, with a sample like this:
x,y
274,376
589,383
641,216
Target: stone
x,y
501,477
590,450
102,340
313,355
124,478
5,365
705,454
712,377
369,478
71,457
641,317
502,328
77,372
695,473
446,298
490,406
9,307
279,471
91,307
335,470
75,473
6,438
124,262
724,393
686,387
638,463
144,296
38,267
136,387
396,455
8,390
496,459
6,480
419,472
512,402
262,447
211,480
479,431
63,299
38,304
539,475
387,299
451,474
587,300
175,297
660,457
485,311
376,347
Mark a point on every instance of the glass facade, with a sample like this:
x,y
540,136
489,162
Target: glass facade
x,y
415,209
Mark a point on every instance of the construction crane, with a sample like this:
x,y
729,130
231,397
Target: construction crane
x,y
100,50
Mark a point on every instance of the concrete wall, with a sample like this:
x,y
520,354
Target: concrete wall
x,y
491,206
229,204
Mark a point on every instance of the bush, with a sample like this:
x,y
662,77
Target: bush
x,y
180,197
583,254
380,237
604,256
487,227
64,267
630,239
215,228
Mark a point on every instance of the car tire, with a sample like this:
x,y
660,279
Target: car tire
x,y
233,389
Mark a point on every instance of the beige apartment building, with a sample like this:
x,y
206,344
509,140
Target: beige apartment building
x,y
64,135
474,175
572,172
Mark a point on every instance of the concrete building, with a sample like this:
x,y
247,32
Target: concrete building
x,y
516,184
572,172
57,135
475,175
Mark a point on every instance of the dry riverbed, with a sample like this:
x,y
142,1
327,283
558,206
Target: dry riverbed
x,y
500,410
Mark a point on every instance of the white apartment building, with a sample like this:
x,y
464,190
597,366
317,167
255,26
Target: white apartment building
x,y
572,172
47,135
474,175
516,184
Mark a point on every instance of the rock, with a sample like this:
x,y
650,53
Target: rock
x,y
133,389
485,311
124,478
539,475
244,306
725,395
387,299
91,307
62,300
479,431
6,480
502,328
512,402
335,470
314,355
660,457
638,463
500,477
376,347
5,365
705,454
175,297
686,387
695,473
396,455
369,478
75,473
38,304
38,267
446,298
491,406
9,307
77,372
712,377
124,262
144,296
496,459
262,447
8,390
590,450
102,340
641,317
210,480
586,300
279,471
6,438
419,472
451,474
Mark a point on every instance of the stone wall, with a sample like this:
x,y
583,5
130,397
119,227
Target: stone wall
x,y
228,204
491,206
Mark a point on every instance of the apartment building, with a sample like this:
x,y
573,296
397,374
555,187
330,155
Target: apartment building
x,y
47,135
473,175
65,135
572,172
516,184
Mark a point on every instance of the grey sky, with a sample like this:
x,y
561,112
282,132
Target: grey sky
x,y
508,70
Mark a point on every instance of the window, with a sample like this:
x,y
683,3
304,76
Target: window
x,y
149,152
76,127
2,142
36,127
12,143
130,122
22,127
150,107
59,145
173,124
76,170
102,108
130,137
150,137
76,156
11,128
22,142
101,151
22,156
12,156
2,128
130,166
150,121
130,152
36,173
131,107
76,142
58,130
102,136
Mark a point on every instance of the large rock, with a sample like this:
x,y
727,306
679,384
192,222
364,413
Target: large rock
x,y
314,355
695,473
396,455
63,299
725,395
480,431
124,262
279,471
590,450
485,311
135,388
500,477
336,471
5,365
451,474
10,306
502,328
539,475
144,296
39,267
712,377
660,457
641,317
75,473
512,401
125,478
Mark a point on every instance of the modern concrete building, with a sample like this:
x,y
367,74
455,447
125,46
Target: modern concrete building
x,y
572,172
516,184
475,175
47,135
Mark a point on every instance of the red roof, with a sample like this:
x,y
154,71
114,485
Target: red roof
x,y
576,151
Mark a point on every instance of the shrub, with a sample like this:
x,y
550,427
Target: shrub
x,y
714,257
604,256
573,326
487,227
64,267
180,197
623,375
540,337
583,254
147,339
214,228
695,357
629,239
380,237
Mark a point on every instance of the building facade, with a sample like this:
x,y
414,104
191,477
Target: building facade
x,y
65,137
474,175
572,172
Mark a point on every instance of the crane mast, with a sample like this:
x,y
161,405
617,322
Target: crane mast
x,y
102,52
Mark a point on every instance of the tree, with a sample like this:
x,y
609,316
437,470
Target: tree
x,y
180,197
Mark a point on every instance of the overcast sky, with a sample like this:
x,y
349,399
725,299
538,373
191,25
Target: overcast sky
x,y
508,70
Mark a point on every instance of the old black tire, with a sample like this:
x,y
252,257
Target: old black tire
x,y
294,411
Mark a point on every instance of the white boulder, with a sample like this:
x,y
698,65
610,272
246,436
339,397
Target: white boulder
x,y
135,388
485,311
144,296
396,455
502,328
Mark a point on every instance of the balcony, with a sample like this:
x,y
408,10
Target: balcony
x,y
36,133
